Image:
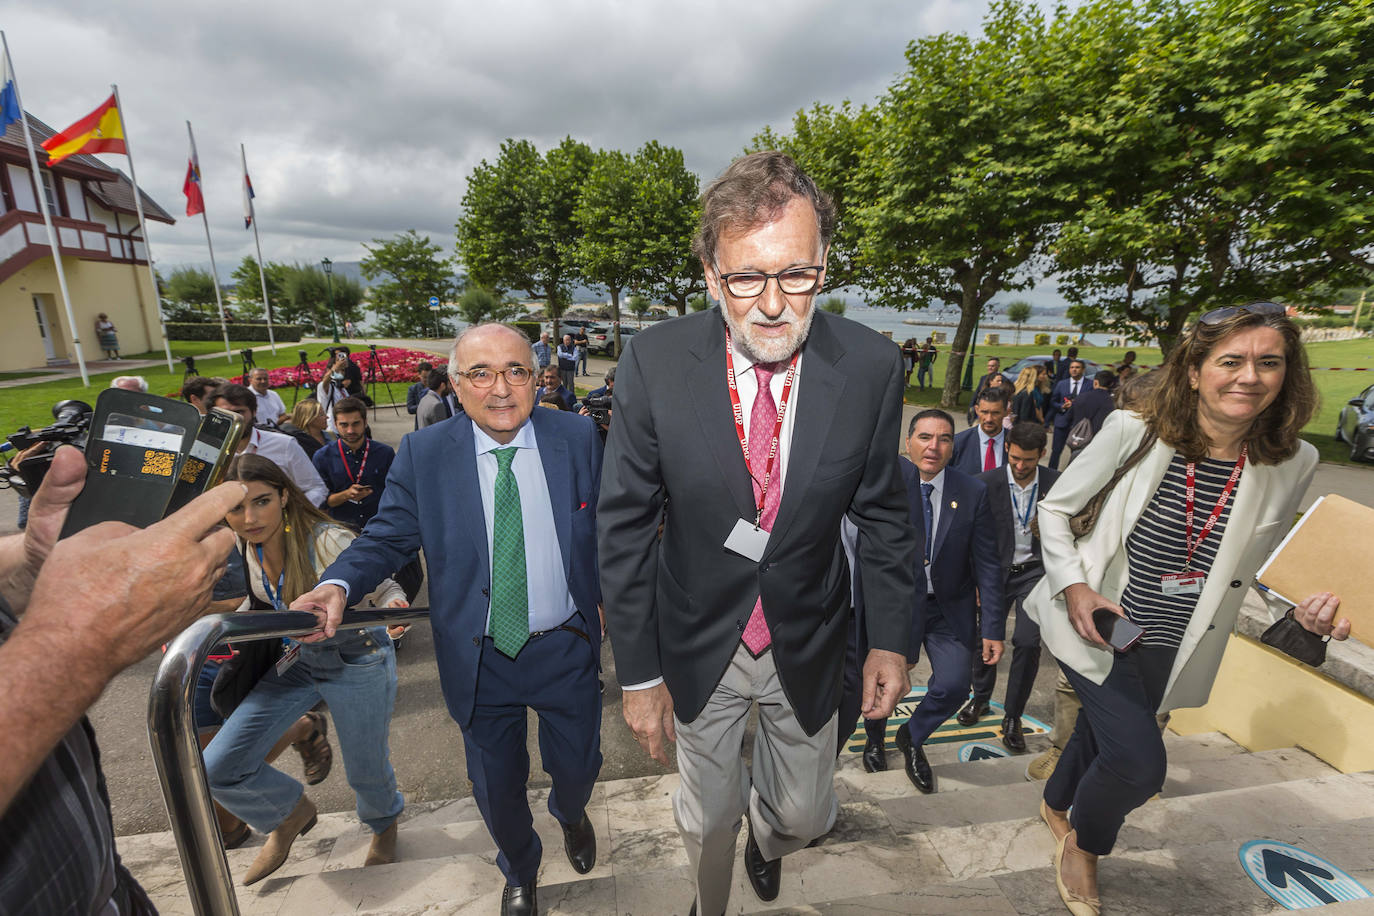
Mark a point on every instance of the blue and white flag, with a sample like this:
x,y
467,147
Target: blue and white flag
x,y
9,100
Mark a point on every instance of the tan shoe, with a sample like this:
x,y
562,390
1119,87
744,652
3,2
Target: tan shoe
x,y
278,845
1057,821
383,848
1041,767
1078,904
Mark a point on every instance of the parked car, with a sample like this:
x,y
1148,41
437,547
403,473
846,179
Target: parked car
x,y
601,340
1011,372
1356,425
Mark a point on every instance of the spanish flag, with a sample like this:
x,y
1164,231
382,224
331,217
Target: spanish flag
x,y
101,131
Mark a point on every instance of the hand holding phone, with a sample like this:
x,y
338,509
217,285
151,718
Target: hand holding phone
x,y
1121,633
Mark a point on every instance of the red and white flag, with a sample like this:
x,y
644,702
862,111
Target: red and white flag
x,y
195,202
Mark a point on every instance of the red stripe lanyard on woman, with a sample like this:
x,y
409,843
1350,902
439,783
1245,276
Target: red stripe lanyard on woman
x,y
739,419
1188,492
367,447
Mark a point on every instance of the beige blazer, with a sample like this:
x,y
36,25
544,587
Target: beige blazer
x,y
1263,506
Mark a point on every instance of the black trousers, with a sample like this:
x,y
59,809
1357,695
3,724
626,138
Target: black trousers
x,y
1114,760
1060,439
1025,649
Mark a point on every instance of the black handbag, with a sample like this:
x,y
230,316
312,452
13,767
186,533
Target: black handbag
x,y
1295,641
239,674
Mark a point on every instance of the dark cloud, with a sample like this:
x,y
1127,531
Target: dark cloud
x,y
362,120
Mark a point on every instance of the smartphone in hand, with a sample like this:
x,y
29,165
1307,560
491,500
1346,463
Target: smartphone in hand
x,y
1120,632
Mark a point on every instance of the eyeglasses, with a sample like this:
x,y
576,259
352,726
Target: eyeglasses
x,y
795,281
1217,316
516,376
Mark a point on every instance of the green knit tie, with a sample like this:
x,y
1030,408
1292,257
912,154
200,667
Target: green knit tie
x,y
510,597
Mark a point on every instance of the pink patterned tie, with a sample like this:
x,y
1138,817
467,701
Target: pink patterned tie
x,y
762,420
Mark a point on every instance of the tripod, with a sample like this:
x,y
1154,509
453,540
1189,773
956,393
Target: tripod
x,y
249,364
190,363
304,378
370,382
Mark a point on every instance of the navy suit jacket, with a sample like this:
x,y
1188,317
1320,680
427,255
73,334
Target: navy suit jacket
x,y
1004,517
1060,392
968,454
432,500
964,566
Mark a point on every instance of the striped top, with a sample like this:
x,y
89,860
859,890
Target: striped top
x,y
1158,545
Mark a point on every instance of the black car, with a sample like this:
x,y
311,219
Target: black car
x,y
1356,425
601,340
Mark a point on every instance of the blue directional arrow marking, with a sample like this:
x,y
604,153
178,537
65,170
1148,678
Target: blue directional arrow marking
x,y
1297,878
979,750
433,300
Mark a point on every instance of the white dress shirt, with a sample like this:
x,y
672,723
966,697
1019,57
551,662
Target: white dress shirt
x,y
287,454
747,384
983,438
550,602
937,484
1020,498
270,406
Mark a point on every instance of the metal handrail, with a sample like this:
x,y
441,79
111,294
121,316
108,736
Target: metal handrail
x,y
176,750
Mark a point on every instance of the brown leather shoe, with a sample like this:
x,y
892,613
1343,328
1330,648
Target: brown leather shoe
x,y
383,848
316,755
278,845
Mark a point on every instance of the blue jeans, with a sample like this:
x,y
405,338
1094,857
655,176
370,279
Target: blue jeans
x,y
357,678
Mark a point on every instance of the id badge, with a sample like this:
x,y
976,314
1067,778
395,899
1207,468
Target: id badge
x,y
747,540
1183,583
288,658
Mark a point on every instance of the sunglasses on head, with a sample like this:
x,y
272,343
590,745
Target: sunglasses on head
x,y
1217,316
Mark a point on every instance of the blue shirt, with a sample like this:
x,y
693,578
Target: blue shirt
x,y
550,601
543,352
341,471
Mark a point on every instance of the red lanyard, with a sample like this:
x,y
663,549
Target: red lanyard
x,y
367,447
739,418
1188,493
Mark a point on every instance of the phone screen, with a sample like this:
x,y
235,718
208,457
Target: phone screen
x,y
205,465
1120,632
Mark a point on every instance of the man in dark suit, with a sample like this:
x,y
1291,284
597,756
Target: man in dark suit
x,y
1061,366
553,385
961,567
1013,493
418,390
760,425
509,530
982,447
984,382
1065,391
434,406
1056,358
1096,402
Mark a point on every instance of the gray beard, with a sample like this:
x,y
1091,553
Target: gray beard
x,y
742,337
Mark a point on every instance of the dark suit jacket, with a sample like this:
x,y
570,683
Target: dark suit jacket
x,y
676,607
964,568
1093,404
432,500
968,453
1060,392
1003,514
566,396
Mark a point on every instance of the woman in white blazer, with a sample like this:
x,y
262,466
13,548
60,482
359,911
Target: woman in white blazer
x,y
1233,398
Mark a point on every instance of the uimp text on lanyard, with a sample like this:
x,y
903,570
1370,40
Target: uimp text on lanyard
x,y
738,412
1188,494
343,456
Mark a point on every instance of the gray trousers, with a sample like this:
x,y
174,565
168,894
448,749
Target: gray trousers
x,y
791,799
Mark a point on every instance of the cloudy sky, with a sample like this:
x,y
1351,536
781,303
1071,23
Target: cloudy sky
x,y
363,119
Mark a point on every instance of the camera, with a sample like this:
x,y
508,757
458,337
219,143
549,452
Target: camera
x,y
73,421
600,409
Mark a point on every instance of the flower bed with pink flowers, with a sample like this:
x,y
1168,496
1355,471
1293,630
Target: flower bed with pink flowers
x,y
394,364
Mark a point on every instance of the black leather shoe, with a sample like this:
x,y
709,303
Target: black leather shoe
x,y
764,876
875,756
1012,736
973,710
579,841
917,767
520,901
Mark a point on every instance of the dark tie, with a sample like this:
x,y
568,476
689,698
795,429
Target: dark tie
x,y
926,490
989,458
1073,393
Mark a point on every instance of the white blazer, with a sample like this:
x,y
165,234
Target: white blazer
x,y
1262,510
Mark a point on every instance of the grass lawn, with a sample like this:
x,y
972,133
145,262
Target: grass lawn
x,y
1335,387
32,404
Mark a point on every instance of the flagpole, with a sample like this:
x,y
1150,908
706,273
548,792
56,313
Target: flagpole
x,y
214,272
262,271
47,218
143,227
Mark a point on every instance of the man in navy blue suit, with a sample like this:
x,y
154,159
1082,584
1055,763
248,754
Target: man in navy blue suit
x,y
983,447
515,599
1061,402
962,570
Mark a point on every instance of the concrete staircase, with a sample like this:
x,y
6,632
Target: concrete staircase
x,y
975,847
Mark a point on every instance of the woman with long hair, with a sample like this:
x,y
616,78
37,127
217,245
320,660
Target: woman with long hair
x,y
286,542
1023,400
1213,471
308,426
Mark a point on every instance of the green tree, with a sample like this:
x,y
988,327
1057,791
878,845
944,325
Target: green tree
x,y
410,271
248,287
516,231
835,305
699,302
478,304
191,287
308,296
669,198
638,305
1018,313
959,184
608,250
1223,174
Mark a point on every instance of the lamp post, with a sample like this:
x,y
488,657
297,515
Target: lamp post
x,y
328,266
